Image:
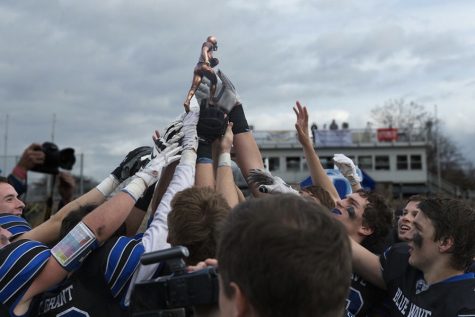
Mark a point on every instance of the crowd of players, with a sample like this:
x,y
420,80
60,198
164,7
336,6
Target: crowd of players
x,y
281,252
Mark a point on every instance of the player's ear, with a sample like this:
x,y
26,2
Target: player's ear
x,y
446,244
365,230
242,306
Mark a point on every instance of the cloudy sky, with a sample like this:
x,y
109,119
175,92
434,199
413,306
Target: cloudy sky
x,y
112,71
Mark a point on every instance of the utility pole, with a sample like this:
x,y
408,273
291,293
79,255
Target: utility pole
x,y
53,127
437,142
5,146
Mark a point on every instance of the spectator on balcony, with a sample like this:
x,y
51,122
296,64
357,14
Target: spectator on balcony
x,y
333,125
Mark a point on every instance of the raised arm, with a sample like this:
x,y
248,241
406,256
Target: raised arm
x,y
94,229
367,264
48,231
317,172
155,237
348,169
224,176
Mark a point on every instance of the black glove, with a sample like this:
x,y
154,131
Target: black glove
x,y
132,162
211,125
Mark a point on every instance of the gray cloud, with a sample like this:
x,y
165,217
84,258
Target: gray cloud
x,y
113,71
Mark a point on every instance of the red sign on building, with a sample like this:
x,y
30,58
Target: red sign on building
x,y
387,134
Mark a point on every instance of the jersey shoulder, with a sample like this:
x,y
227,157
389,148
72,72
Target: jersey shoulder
x,y
20,263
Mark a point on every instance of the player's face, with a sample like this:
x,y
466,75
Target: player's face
x,y
350,212
422,247
9,202
405,222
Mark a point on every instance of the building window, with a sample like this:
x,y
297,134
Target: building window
x,y
416,162
381,162
274,164
402,162
293,164
365,162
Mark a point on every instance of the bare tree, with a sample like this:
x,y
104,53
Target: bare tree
x,y
397,113
414,119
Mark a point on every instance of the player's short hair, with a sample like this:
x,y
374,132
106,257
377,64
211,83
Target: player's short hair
x,y
288,256
3,179
194,221
453,218
377,215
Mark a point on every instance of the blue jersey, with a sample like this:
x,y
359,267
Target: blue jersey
x,y
15,224
99,286
20,263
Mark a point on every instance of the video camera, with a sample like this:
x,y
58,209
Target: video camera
x,y
55,158
174,295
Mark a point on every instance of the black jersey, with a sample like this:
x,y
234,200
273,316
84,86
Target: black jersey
x,y
411,296
20,263
363,297
99,286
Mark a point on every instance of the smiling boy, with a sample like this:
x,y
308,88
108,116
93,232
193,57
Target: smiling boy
x,y
427,277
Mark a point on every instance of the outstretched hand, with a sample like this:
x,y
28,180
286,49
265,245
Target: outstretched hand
x,y
301,124
266,183
347,168
132,162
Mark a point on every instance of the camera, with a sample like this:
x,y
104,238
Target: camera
x,y
176,294
55,158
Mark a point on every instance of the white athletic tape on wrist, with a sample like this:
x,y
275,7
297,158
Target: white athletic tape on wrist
x,y
71,251
108,185
135,188
224,159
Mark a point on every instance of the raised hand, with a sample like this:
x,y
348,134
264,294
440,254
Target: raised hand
x,y
301,124
266,183
132,162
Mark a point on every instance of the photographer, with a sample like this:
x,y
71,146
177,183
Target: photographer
x,y
31,157
35,270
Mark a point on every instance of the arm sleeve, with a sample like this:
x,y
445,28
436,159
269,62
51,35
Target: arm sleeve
x,y
155,237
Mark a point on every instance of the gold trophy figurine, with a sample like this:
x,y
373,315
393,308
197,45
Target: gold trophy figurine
x,y
204,67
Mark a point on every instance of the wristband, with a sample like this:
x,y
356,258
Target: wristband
x,y
135,188
108,185
204,150
238,118
224,159
19,172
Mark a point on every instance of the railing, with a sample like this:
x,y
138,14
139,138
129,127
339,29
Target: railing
x,y
345,137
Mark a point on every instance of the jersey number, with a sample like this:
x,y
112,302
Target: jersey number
x,y
73,312
354,302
